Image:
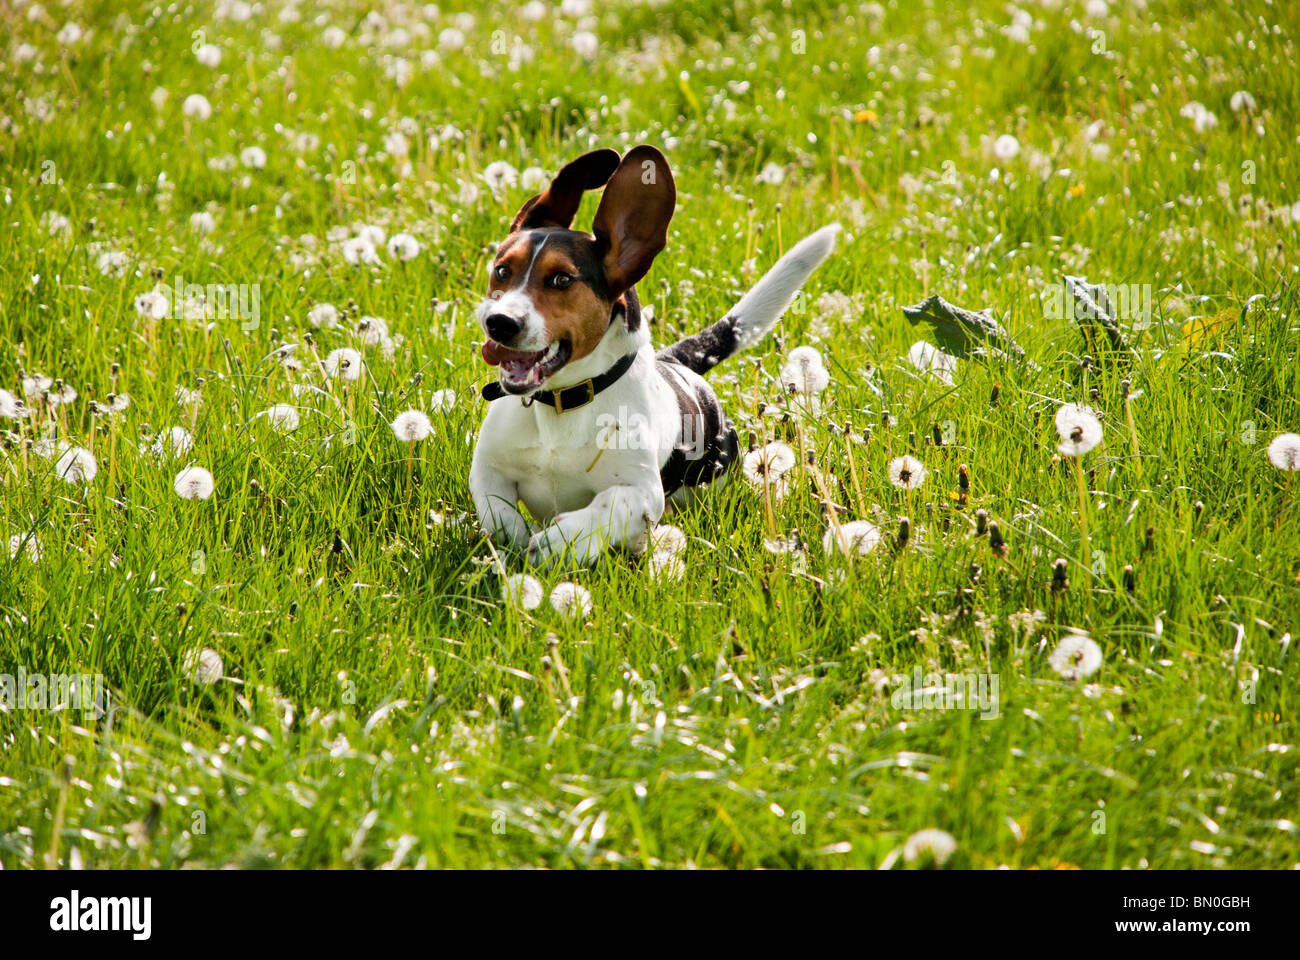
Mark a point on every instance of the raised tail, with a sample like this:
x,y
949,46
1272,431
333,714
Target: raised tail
x,y
758,310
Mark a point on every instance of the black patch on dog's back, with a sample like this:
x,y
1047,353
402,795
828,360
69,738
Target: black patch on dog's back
x,y
707,444
703,351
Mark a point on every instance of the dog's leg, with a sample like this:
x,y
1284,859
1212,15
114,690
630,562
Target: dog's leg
x,y
495,499
618,516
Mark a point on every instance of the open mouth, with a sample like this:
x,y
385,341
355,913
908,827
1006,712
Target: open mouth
x,y
523,371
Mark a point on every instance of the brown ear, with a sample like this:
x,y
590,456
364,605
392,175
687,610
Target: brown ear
x,y
631,223
556,205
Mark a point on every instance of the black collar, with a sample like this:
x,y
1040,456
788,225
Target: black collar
x,y
570,398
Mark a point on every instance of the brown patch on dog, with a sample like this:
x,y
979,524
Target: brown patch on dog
x,y
579,312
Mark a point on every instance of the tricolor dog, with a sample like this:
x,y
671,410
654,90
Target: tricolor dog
x,y
588,426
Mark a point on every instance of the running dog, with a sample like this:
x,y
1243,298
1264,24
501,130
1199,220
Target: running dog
x,y
588,426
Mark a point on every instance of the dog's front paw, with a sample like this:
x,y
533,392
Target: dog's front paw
x,y
566,538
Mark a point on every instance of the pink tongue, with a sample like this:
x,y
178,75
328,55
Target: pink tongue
x,y
494,353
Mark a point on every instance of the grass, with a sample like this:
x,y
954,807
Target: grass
x,y
379,704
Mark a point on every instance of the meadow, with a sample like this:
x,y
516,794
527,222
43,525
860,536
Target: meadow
x,y
240,240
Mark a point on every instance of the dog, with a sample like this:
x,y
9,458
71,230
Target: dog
x,y
590,428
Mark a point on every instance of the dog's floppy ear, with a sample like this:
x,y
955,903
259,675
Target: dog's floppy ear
x,y
631,223
556,205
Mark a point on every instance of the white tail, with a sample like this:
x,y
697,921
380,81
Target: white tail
x,y
758,311
760,308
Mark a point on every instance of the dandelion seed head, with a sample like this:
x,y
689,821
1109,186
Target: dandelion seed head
x,y
938,844
344,364
1076,656
768,463
805,372
1284,451
203,667
174,442
907,472
28,546
571,600
193,483
1078,428
667,552
411,426
928,358
1006,147
77,465
208,54
196,105
282,417
499,175
323,316
403,246
853,536
522,591
11,407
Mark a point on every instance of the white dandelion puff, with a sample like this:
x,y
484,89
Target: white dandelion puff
x,y
253,157
411,426
70,33
26,545
77,465
203,667
451,39
533,179
804,371
907,472
1284,451
442,400
174,442
1076,656
208,54
855,536
196,105
585,43
928,358
1006,147
1078,428
667,552
323,316
202,223
932,842
283,417
403,246
1242,100
35,386
359,250
522,591
499,175
768,463
1202,119
571,600
193,483
344,364
11,408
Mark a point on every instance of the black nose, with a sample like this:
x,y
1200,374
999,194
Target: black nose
x,y
503,328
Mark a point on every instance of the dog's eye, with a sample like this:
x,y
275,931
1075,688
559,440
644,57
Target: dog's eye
x,y
500,272
559,280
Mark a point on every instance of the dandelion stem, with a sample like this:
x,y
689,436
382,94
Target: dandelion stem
x,y
1085,549
832,517
410,468
853,472
1132,431
767,493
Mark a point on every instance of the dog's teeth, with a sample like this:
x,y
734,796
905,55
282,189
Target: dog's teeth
x,y
552,350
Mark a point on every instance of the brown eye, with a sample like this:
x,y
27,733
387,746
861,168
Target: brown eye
x,y
500,272
559,280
